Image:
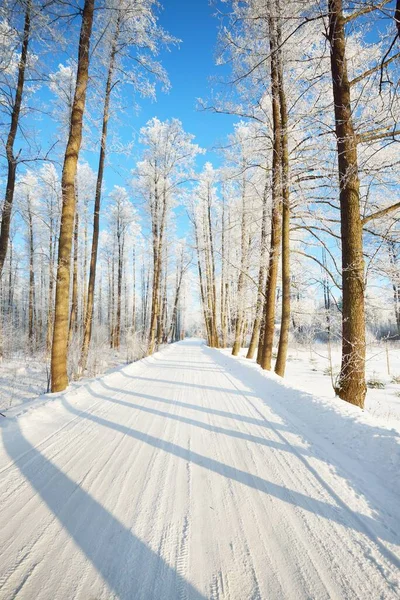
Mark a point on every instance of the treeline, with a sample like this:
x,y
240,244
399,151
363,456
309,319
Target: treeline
x,y
91,283
314,171
300,218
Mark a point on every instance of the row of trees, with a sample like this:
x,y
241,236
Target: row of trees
x,y
319,85
300,206
66,304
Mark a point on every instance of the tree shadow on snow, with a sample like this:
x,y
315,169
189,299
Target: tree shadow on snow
x,y
338,512
126,564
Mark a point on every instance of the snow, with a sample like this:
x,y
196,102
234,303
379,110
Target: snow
x,y
308,370
195,475
21,379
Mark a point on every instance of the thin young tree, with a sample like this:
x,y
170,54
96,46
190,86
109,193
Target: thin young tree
x,y
12,158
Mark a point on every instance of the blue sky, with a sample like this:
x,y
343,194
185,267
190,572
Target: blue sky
x,y
190,67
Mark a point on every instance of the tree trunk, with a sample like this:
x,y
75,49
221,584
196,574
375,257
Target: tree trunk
x,y
59,355
88,322
117,335
49,333
240,290
73,320
214,288
133,291
155,309
285,316
255,335
112,300
276,225
223,271
10,282
202,284
395,283
351,384
158,225
31,309
11,158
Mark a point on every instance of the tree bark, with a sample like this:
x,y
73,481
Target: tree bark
x,y
88,322
240,290
214,288
31,308
12,160
117,332
73,319
255,335
351,384
202,283
133,290
395,282
59,355
285,316
49,333
276,224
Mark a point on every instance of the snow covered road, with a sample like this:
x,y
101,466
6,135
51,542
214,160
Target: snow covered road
x,y
182,477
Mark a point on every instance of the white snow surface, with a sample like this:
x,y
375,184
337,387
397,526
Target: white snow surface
x,y
194,475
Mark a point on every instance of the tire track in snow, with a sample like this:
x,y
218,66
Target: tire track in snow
x,y
196,500
333,552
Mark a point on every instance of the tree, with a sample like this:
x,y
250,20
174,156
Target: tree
x,y
12,159
134,27
120,219
167,159
59,376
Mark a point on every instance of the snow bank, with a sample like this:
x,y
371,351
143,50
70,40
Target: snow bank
x,y
365,448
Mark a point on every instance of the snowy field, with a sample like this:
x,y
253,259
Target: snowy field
x,y
193,475
22,379
308,369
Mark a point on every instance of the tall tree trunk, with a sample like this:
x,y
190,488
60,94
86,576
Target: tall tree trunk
x,y
155,309
223,271
31,309
351,384
88,318
10,282
276,225
49,333
133,290
395,282
202,284
59,355
255,335
73,319
11,158
173,330
85,261
158,246
213,278
112,300
285,315
117,336
240,290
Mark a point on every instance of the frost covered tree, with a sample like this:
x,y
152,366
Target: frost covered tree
x,y
166,165
13,74
131,30
120,219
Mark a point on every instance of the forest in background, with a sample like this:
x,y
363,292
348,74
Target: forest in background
x,y
292,236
